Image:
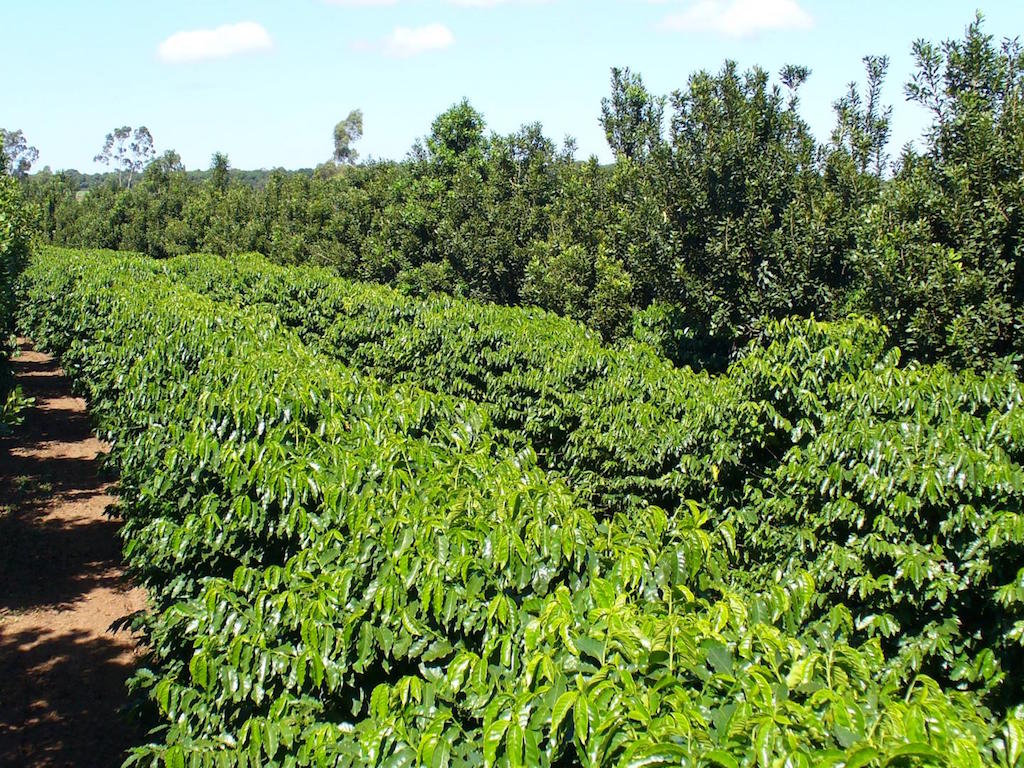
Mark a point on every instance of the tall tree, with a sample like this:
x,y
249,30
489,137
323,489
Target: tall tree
x,y
632,117
347,133
741,194
456,132
18,155
944,263
219,168
863,124
127,151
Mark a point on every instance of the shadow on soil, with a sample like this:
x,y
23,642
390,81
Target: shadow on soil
x,y
48,562
52,723
61,690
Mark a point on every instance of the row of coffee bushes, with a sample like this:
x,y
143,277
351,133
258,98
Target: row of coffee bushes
x,y
14,242
900,488
344,572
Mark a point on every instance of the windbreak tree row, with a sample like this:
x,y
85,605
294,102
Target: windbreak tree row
x,y
899,487
721,211
348,572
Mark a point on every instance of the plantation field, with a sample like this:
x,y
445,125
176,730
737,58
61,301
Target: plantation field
x,y
379,530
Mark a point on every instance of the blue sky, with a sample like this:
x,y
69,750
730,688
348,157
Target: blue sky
x,y
265,81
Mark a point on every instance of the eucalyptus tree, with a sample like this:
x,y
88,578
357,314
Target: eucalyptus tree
x,y
128,151
18,155
346,133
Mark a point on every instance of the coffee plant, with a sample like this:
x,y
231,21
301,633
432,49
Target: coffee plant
x,y
899,487
353,558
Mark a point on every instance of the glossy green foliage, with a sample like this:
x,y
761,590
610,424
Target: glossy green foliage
x,y
940,256
14,242
898,487
14,239
344,572
901,490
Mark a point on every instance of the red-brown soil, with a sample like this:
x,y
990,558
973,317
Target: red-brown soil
x,y
62,586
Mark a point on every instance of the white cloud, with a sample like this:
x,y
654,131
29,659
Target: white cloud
x,y
739,18
492,3
218,43
460,3
410,41
354,3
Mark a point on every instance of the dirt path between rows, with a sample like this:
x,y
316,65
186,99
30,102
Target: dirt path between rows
x,y
62,669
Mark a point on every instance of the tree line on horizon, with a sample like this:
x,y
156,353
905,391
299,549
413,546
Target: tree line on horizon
x,y
721,211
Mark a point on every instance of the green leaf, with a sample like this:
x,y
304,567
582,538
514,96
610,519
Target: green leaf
x,y
561,708
914,749
581,719
514,744
174,757
721,757
862,757
198,667
493,735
